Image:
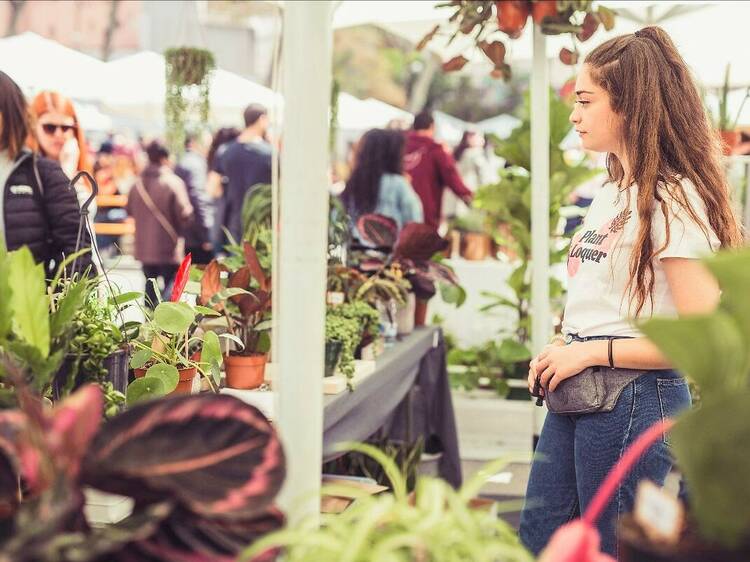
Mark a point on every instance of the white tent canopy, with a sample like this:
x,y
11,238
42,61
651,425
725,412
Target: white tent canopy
x,y
137,82
36,64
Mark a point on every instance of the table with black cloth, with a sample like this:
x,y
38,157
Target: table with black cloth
x,y
408,396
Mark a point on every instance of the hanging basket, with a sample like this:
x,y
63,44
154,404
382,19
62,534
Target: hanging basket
x,y
188,77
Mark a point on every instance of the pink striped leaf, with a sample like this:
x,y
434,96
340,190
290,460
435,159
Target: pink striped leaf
x,y
213,454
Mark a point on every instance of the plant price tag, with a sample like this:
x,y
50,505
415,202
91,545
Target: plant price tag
x,y
659,514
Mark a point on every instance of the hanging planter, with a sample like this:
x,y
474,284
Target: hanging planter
x,y
481,20
188,75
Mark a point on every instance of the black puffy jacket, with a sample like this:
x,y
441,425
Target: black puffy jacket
x,y
43,217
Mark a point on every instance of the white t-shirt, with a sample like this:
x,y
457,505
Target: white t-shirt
x,y
599,260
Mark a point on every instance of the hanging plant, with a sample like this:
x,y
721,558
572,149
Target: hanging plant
x,y
188,76
486,22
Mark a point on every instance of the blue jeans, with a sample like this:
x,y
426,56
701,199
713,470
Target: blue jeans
x,y
575,453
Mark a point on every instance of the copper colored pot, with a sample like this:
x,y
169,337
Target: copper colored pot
x,y
729,140
245,371
185,384
475,246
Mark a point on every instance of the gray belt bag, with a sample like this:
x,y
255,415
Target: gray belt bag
x,y
595,389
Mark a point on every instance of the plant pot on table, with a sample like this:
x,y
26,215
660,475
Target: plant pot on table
x,y
116,364
476,246
184,385
332,357
406,315
729,141
420,312
245,372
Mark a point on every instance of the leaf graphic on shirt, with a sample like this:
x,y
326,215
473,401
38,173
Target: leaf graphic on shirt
x,y
619,222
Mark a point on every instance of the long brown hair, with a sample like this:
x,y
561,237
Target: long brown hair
x,y
14,117
667,137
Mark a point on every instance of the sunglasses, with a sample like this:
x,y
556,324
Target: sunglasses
x,y
50,128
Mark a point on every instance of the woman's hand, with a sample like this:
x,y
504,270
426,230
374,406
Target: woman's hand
x,y
533,366
557,363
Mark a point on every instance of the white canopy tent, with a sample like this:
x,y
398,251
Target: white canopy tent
x,y
136,85
36,64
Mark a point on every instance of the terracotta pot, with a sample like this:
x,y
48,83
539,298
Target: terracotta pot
x,y
245,371
406,315
729,141
475,246
634,546
185,384
420,312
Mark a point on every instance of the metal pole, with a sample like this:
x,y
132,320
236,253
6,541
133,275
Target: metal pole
x,y
541,324
307,61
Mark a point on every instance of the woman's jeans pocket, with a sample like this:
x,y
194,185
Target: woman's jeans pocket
x,y
674,398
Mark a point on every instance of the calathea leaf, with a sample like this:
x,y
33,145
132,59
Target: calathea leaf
x,y
226,461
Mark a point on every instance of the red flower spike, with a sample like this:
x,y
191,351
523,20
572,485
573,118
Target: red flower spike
x,y
181,279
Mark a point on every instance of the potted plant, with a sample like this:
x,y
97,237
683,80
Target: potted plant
x,y
416,251
98,349
188,70
163,361
476,244
730,136
342,338
479,23
435,522
244,302
36,320
148,453
714,351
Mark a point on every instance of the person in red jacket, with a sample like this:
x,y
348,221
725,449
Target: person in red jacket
x,y
431,168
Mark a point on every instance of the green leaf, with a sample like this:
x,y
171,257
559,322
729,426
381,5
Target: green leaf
x,y
124,298
29,300
707,348
453,294
173,317
512,351
5,292
211,354
67,307
205,311
708,445
263,326
140,358
63,266
233,338
144,389
167,374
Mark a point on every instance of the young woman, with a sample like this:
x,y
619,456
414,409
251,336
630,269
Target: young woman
x,y
666,204
377,184
36,207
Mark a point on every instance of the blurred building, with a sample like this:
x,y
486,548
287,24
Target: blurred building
x,y
240,34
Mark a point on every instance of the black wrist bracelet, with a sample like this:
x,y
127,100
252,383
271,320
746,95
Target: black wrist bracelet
x,y
609,353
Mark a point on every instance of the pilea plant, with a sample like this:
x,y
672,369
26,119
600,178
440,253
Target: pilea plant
x,y
188,75
486,22
167,338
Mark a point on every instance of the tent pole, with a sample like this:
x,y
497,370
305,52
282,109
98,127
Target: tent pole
x,y
307,61
540,201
